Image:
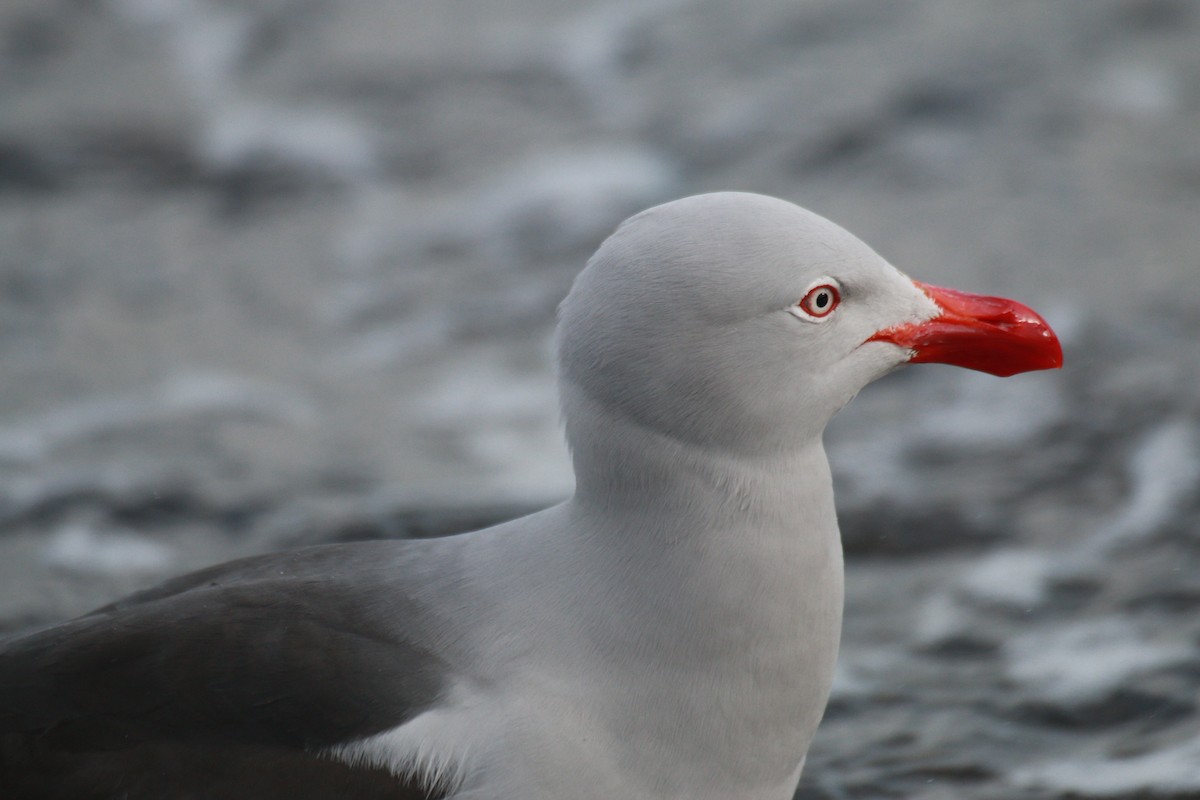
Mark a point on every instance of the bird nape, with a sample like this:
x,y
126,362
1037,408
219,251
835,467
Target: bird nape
x,y
670,631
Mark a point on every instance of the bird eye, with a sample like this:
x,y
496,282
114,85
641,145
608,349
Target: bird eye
x,y
820,300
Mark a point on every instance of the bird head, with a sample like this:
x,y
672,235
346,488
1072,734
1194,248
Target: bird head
x,y
743,322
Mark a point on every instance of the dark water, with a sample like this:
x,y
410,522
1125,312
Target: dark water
x,y
283,271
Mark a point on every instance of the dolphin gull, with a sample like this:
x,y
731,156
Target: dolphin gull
x,y
670,631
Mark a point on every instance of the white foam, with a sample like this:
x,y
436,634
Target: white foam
x,y
193,393
590,48
206,40
871,468
1136,90
184,396
319,141
1012,577
490,395
980,411
392,344
872,441
1087,660
1163,471
1165,772
505,420
846,684
573,197
863,670
941,617
81,548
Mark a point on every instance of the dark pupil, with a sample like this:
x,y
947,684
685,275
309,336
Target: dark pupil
x,y
822,300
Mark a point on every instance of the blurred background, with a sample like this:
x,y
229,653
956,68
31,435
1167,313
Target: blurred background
x,y
278,272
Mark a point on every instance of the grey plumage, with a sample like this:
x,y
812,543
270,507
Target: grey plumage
x,y
669,632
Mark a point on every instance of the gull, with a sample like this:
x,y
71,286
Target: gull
x,y
669,631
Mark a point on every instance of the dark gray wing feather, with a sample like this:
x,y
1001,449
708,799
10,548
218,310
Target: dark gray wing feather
x,y
33,769
280,654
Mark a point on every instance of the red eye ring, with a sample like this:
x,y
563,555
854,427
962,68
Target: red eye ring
x,y
821,300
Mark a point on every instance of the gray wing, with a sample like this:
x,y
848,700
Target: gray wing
x,y
270,657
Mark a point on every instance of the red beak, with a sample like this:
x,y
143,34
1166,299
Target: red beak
x,y
989,334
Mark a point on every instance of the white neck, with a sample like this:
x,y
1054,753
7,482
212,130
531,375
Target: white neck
x,y
732,596
686,609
